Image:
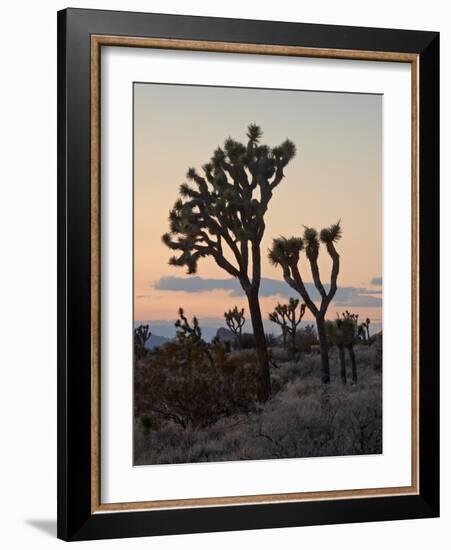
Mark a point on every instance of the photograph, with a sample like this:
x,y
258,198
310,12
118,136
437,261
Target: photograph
x,y
248,295
258,291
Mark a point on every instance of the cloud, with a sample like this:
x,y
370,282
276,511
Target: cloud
x,y
376,281
197,284
345,296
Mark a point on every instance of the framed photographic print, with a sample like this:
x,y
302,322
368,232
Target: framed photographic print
x,y
248,274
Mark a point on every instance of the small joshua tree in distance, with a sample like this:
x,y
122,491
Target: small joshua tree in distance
x,y
286,253
286,316
235,320
140,336
185,330
222,216
191,334
279,317
334,331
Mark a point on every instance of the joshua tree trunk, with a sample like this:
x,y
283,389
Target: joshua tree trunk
x,y
353,364
341,353
286,253
260,344
293,343
284,337
323,347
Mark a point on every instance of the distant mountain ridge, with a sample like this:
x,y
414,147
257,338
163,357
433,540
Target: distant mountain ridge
x,y
156,341
164,331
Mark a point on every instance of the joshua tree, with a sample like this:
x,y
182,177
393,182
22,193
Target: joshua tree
x,y
222,216
191,335
334,331
279,316
343,332
185,330
285,316
349,323
140,337
235,320
287,252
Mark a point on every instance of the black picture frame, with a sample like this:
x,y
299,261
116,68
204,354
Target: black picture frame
x,y
75,518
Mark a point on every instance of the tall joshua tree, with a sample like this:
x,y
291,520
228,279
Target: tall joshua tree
x,y
287,253
288,318
223,216
235,320
280,317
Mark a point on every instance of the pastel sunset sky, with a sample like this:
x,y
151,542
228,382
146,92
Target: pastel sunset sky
x,y
336,174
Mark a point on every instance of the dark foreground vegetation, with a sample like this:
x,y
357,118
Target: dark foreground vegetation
x,y
199,402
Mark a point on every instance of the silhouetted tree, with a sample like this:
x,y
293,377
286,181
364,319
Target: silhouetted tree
x,y
185,330
140,336
286,316
193,333
235,320
287,252
343,333
335,337
222,217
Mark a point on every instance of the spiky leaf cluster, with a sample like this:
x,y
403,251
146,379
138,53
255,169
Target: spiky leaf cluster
x,y
311,243
285,251
331,234
186,330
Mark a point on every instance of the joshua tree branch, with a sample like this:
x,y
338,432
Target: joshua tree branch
x,y
335,270
226,265
300,287
316,278
288,278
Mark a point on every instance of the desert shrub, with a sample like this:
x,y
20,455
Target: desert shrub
x,y
303,418
280,354
247,341
195,384
306,338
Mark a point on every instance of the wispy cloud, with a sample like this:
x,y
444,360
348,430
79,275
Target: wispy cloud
x,y
376,281
345,296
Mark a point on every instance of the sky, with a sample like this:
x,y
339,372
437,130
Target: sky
x,y
336,174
